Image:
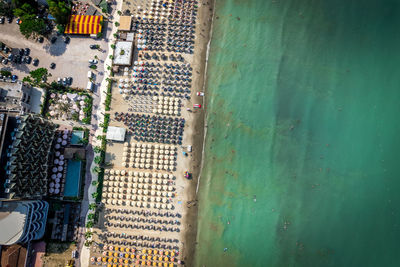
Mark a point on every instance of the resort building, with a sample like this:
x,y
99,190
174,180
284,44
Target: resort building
x,y
16,97
25,147
22,221
123,53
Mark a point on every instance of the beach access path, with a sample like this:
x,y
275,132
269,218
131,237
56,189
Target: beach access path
x,y
97,118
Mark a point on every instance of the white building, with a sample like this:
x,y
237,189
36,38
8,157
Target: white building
x,y
22,221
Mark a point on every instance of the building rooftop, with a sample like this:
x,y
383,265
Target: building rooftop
x,y
125,57
116,133
13,256
10,95
13,216
125,23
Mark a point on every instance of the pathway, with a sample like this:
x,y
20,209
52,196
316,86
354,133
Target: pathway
x,y
98,117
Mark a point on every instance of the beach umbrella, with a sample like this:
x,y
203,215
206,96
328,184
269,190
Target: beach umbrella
x,y
123,164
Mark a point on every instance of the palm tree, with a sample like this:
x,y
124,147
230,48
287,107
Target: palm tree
x,y
96,169
97,159
97,149
92,206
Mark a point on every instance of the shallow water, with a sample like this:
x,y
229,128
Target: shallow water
x,y
303,104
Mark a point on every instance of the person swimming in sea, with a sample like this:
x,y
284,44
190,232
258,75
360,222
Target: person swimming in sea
x,y
254,198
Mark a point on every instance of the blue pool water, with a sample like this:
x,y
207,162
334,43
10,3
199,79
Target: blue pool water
x,y
76,137
73,178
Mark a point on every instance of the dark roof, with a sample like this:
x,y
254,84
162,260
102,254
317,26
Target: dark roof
x,y
91,10
96,2
13,256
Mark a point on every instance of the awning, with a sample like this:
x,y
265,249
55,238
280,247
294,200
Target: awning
x,y
84,24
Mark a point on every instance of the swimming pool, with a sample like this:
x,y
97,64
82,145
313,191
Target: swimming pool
x,y
76,136
73,178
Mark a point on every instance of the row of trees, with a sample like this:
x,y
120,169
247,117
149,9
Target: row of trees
x,y
31,24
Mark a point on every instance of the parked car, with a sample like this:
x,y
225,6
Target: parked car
x,y
21,52
52,65
40,39
2,20
67,39
59,80
18,21
28,60
14,78
35,62
10,57
27,51
94,46
64,81
69,80
53,39
1,58
93,61
4,61
10,19
6,49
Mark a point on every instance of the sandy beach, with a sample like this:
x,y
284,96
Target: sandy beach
x,y
197,122
111,225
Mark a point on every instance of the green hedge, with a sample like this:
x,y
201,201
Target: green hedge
x,y
106,122
109,96
44,105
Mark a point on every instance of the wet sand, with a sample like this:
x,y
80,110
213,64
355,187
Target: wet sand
x,y
196,122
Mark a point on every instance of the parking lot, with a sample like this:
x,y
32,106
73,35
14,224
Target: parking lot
x,y
71,60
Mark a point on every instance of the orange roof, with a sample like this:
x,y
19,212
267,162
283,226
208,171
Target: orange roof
x,y
84,24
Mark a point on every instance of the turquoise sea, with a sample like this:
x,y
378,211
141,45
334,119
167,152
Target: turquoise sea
x,y
302,148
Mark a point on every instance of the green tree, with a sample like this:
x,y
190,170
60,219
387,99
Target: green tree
x,y
37,75
95,195
96,169
60,10
97,159
89,224
5,73
32,26
5,9
97,149
92,206
91,216
24,10
88,234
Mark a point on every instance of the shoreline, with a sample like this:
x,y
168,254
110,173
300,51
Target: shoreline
x,y
199,127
